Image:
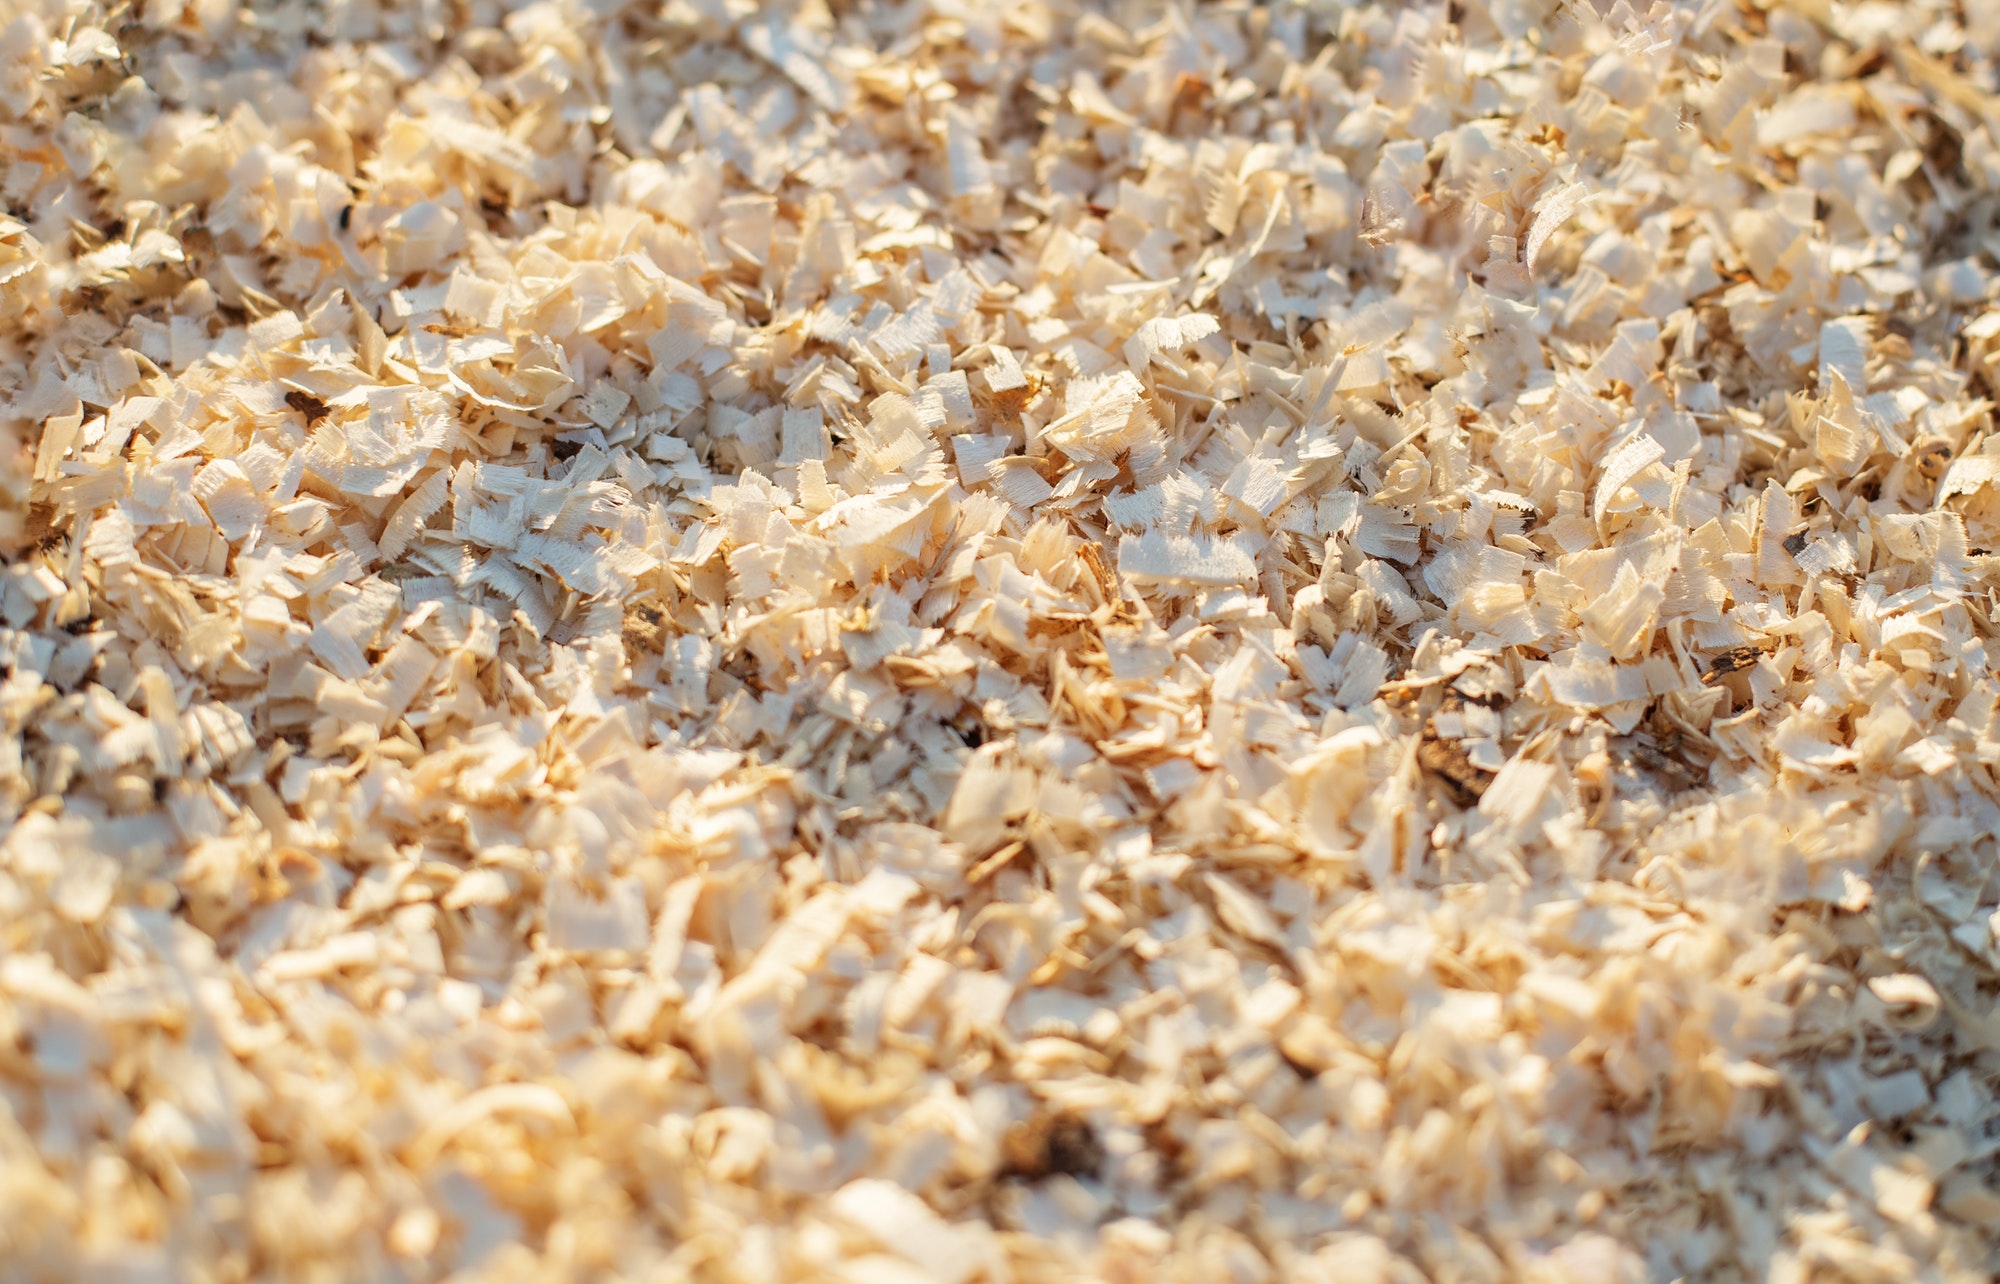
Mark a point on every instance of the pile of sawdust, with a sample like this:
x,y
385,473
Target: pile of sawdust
x,y
974,642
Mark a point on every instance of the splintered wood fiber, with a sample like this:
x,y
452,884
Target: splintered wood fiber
x,y
958,642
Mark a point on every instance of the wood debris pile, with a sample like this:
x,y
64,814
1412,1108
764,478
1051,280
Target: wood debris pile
x,y
954,642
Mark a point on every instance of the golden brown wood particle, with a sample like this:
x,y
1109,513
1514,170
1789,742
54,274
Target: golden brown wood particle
x,y
1447,761
1050,1143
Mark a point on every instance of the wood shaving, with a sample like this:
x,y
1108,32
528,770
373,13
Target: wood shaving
x,y
1325,641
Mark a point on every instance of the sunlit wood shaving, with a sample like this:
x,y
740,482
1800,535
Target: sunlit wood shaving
x,y
1318,641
